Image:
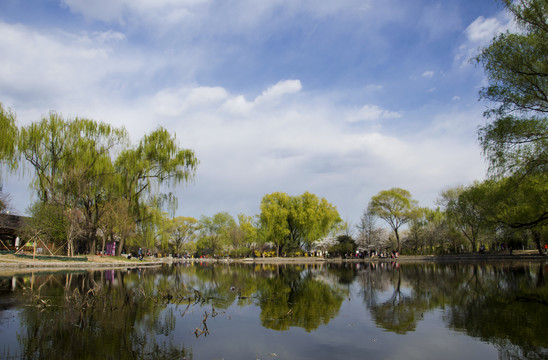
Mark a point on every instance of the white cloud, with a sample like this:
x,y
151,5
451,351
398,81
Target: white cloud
x,y
239,14
482,30
119,10
289,137
274,93
371,113
171,102
480,33
48,65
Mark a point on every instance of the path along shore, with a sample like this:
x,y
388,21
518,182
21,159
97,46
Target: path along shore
x,y
11,265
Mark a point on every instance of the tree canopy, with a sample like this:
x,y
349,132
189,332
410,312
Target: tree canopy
x,y
516,139
8,136
294,222
516,66
396,207
88,170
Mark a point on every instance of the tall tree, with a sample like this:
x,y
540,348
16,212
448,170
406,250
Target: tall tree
x,y
214,232
273,219
243,235
396,207
516,65
71,160
516,139
181,231
294,222
156,161
369,235
515,202
466,207
311,218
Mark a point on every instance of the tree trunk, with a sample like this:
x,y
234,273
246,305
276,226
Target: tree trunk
x,y
536,238
397,240
120,246
104,242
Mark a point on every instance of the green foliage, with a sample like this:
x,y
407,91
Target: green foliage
x,y
346,246
515,202
157,161
181,230
75,168
8,137
516,65
516,141
4,202
214,233
273,219
465,207
294,222
47,223
396,207
294,298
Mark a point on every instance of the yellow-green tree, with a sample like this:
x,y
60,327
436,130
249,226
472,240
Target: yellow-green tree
x,y
396,207
8,136
157,161
214,233
182,230
294,222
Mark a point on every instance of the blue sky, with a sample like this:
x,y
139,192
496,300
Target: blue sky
x,y
340,98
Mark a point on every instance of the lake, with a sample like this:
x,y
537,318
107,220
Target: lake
x,y
265,311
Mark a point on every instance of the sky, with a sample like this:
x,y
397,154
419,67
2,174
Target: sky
x,y
339,98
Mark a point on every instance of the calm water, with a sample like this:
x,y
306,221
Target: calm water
x,y
351,311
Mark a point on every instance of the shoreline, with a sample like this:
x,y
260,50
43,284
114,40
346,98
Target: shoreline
x,y
11,265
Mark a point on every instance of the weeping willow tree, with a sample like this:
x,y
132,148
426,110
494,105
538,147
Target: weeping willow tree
x,y
8,149
75,167
156,163
8,136
71,161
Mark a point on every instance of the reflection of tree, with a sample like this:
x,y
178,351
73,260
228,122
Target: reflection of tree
x,y
512,313
345,272
399,313
133,314
295,298
502,304
82,317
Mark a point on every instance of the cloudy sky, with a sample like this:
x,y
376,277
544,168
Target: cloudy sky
x,y
340,98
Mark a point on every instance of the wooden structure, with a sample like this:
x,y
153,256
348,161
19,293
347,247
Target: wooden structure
x,y
10,229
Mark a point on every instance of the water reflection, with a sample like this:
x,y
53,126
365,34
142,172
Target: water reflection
x,y
201,310
505,305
